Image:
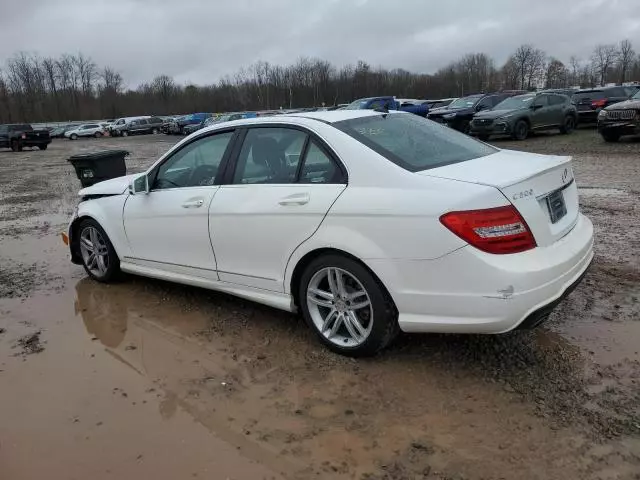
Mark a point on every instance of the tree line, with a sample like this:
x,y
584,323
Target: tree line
x,y
74,87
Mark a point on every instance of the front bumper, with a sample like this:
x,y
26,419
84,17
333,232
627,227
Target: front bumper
x,y
624,127
498,127
469,291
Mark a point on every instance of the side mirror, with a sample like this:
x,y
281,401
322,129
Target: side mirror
x,y
139,185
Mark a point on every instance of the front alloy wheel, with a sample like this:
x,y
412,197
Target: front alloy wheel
x,y
347,306
98,255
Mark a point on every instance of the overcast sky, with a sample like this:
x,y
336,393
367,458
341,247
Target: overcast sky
x,y
201,40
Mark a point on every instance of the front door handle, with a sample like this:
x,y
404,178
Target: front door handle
x,y
295,199
193,203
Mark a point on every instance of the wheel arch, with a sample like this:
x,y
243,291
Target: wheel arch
x,y
307,258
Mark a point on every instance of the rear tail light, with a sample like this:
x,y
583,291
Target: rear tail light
x,y
599,103
23,136
494,230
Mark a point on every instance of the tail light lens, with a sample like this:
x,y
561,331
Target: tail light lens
x,y
23,136
494,230
599,103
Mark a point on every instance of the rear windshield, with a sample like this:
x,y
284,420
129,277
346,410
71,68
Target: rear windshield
x,y
590,95
20,127
412,142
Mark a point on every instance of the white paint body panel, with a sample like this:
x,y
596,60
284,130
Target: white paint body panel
x,y
244,242
255,228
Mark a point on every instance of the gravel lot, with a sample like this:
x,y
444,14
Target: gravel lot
x,y
145,379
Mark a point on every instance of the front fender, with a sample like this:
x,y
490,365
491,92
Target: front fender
x,y
107,211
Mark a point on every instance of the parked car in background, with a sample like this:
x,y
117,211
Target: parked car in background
x,y
387,103
177,126
19,135
442,102
458,114
519,115
116,127
491,240
590,101
562,91
150,125
86,130
59,132
622,118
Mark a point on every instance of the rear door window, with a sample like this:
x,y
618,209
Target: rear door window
x,y
270,155
412,142
556,100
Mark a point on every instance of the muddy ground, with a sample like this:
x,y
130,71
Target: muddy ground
x,y
145,379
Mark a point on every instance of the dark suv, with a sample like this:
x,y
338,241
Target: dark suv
x,y
519,115
589,102
458,114
622,118
142,125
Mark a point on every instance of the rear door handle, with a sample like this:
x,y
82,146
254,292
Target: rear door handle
x,y
193,203
295,199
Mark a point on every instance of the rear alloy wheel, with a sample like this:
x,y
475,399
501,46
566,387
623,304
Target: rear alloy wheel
x,y
73,136
125,133
520,130
568,125
154,131
346,306
99,258
97,134
610,137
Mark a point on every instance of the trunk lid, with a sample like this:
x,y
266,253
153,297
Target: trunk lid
x,y
541,187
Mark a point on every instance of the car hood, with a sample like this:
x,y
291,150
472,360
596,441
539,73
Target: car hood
x,y
447,111
493,114
626,105
115,186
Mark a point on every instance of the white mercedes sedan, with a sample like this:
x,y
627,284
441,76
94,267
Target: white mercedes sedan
x,y
366,222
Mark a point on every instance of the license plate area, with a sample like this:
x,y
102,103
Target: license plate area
x,y
556,206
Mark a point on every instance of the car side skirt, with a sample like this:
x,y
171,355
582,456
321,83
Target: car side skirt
x,y
281,301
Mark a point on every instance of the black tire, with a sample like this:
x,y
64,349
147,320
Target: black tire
x,y
611,137
16,146
568,125
43,147
385,318
520,130
483,137
97,134
113,269
73,137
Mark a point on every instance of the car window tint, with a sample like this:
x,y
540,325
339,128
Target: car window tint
x,y
412,142
194,165
541,100
3,129
269,155
318,167
556,100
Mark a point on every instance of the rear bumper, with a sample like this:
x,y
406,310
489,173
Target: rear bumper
x,y
588,116
469,291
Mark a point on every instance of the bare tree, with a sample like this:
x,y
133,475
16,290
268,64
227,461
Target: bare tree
x,y
557,75
529,63
626,56
603,58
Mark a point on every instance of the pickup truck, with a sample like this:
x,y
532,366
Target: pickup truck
x,y
21,135
417,107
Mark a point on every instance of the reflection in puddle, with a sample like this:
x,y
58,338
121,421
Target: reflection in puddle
x,y
603,192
